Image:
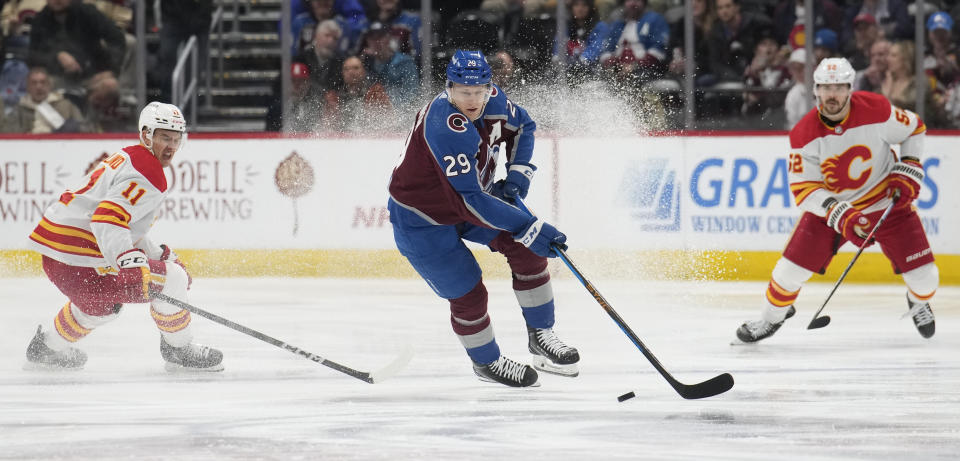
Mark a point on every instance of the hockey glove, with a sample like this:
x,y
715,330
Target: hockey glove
x,y
849,222
540,237
518,180
169,255
906,177
134,275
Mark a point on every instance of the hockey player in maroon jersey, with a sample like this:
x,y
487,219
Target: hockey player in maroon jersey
x,y
442,192
843,174
96,251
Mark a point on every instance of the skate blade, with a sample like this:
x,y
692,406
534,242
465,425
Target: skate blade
x,y
488,380
541,363
44,367
176,368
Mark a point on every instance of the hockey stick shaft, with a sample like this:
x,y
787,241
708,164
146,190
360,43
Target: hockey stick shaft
x,y
716,385
361,375
711,387
820,322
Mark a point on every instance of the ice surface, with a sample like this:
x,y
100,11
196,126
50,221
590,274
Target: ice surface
x,y
865,387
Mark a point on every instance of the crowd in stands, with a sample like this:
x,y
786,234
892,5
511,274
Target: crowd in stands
x,y
357,63
66,66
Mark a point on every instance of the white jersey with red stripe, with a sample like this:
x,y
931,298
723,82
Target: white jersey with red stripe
x,y
110,214
851,160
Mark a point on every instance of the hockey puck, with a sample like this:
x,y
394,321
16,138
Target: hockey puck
x,y
627,396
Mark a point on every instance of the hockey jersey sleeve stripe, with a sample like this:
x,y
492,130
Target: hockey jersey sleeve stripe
x,y
921,128
111,213
802,190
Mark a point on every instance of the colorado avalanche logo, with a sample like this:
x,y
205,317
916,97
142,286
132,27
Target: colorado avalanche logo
x,y
837,174
457,122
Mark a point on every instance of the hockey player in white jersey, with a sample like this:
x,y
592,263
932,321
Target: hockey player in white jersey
x,y
96,251
843,174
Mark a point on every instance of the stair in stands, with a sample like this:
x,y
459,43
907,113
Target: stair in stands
x,y
240,94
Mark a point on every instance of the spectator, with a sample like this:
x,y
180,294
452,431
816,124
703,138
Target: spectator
x,y
81,47
179,20
798,102
872,77
121,15
704,20
504,71
15,19
825,45
891,16
404,26
633,47
13,81
323,57
583,18
766,71
42,111
941,58
351,26
361,105
865,33
731,42
789,17
900,87
302,113
395,70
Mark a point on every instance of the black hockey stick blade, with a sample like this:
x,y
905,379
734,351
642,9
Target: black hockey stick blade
x,y
709,388
365,376
819,322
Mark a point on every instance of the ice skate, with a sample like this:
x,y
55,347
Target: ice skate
x,y
506,371
550,354
753,331
42,357
192,357
922,317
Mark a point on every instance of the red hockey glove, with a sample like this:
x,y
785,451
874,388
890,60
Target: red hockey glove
x,y
906,177
850,223
134,276
169,255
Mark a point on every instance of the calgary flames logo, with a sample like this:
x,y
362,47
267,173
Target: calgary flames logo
x,y
836,170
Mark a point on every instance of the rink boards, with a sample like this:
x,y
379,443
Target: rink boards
x,y
702,207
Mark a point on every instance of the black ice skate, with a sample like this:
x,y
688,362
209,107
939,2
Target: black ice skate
x,y
506,371
41,356
192,357
751,332
550,354
922,317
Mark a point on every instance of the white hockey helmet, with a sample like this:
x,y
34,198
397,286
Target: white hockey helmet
x,y
834,70
163,116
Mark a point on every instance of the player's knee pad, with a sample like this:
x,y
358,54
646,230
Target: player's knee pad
x,y
923,281
174,285
789,275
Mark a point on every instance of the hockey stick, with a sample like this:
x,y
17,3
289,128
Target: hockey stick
x,y
370,377
820,322
713,386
